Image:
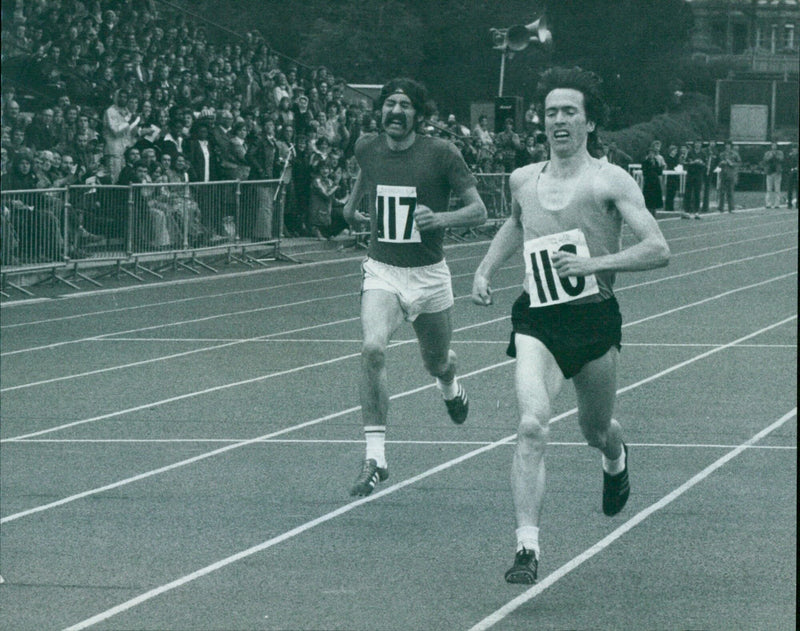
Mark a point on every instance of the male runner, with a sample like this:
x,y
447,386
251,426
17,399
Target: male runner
x,y
408,179
567,215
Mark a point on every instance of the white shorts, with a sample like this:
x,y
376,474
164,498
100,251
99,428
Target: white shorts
x,y
426,289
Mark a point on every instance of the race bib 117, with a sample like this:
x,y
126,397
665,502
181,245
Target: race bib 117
x,y
545,286
395,207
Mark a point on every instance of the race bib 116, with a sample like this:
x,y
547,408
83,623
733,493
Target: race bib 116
x,y
395,207
545,286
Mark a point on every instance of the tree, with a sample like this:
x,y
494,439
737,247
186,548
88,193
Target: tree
x,y
366,42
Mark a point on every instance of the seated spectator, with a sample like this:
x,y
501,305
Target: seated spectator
x,y
35,224
128,172
86,154
533,152
40,134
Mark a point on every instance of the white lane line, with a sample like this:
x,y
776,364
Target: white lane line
x,y
318,340
199,457
316,326
360,441
350,294
179,582
606,541
332,361
197,298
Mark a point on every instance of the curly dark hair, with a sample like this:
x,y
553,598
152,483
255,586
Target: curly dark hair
x,y
587,83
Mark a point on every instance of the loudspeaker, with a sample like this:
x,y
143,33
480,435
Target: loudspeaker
x,y
508,107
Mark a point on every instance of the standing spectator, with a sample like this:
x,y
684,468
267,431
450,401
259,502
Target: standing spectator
x,y
791,180
710,157
302,115
695,165
119,130
322,189
298,224
285,112
483,139
672,161
240,167
198,153
729,163
508,143
773,168
202,167
533,123
172,142
653,166
220,140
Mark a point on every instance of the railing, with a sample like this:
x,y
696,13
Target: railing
x,y
90,223
64,230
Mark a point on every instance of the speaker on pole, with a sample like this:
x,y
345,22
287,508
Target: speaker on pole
x,y
508,107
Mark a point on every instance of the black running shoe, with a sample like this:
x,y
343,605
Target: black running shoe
x,y
525,568
370,475
458,407
616,489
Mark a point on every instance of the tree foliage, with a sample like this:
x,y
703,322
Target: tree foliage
x,y
633,44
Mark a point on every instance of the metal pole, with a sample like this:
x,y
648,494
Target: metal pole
x,y
502,71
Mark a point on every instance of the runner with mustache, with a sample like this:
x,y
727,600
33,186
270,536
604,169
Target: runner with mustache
x,y
408,179
567,216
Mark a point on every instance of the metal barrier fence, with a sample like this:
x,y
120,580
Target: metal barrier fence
x,y
496,195
86,222
34,226
81,225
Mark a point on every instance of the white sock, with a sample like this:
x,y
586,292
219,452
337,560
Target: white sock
x,y
528,538
448,390
375,436
613,467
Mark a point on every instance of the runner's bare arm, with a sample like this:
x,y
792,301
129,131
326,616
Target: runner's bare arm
x,y
472,213
349,211
619,189
507,241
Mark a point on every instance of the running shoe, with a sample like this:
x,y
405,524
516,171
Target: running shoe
x,y
616,489
370,475
458,406
525,568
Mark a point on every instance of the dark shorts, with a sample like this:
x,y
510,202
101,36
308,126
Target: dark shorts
x,y
574,334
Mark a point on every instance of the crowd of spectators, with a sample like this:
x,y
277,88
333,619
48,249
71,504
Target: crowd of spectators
x,y
119,92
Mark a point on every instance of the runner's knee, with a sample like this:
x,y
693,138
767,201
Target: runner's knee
x,y
534,429
373,355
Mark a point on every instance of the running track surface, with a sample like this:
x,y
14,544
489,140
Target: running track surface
x,y
177,456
